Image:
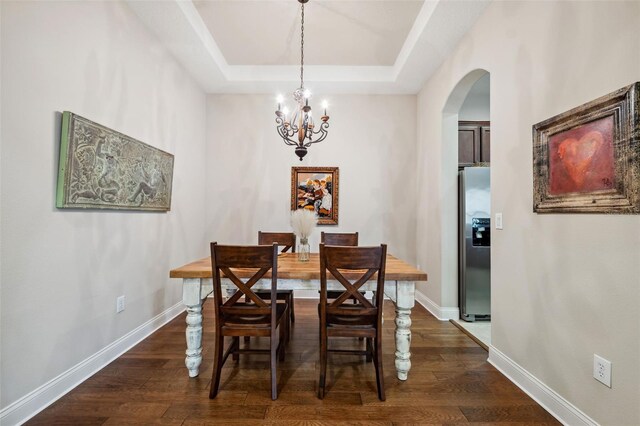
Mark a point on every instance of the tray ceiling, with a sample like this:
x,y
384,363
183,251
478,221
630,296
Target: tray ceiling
x,y
351,46
336,33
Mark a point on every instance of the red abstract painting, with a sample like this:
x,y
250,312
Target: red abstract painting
x,y
581,159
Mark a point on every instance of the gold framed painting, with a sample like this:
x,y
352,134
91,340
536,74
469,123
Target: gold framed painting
x,y
316,189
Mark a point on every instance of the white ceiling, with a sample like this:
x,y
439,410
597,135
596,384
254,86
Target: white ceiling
x,y
351,46
336,33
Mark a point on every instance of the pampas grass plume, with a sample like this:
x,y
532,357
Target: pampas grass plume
x,y
303,221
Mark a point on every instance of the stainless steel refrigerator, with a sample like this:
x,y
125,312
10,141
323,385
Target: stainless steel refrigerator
x,y
475,244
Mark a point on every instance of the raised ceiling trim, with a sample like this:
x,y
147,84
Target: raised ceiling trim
x,y
193,17
426,11
178,24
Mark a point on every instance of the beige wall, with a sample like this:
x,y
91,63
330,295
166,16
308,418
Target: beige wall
x,y
371,139
563,286
62,270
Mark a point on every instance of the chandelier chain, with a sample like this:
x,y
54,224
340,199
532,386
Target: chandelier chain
x,y
302,48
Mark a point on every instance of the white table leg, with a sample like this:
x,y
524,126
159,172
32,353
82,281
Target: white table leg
x,y
404,301
191,297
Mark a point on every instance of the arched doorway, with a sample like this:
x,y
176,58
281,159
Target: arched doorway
x,y
466,119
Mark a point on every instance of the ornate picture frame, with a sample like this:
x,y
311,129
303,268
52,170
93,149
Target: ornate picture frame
x,y
316,189
587,160
100,168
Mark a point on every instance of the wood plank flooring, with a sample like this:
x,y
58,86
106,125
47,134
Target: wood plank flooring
x,y
450,383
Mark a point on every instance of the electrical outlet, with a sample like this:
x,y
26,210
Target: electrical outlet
x,y
602,370
498,220
119,304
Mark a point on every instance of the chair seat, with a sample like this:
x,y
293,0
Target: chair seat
x,y
253,321
342,317
355,320
350,321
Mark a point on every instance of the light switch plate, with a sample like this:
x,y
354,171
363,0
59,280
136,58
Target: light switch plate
x,y
498,220
120,304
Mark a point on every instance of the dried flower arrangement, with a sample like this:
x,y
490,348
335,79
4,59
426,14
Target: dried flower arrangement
x,y
303,222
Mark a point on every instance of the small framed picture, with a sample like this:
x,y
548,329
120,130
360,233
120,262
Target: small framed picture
x,y
587,160
316,189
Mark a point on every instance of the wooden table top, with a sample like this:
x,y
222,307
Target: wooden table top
x,y
290,268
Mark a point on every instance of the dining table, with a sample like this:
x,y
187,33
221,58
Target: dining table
x,y
399,287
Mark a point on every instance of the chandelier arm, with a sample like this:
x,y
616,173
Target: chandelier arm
x,y
288,141
322,132
282,131
292,128
323,128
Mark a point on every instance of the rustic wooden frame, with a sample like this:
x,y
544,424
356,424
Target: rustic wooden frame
x,y
624,197
332,219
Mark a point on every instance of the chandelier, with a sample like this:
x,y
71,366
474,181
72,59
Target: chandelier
x,y
299,129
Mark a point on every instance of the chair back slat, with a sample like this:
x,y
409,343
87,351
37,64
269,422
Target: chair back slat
x,y
348,258
286,240
243,256
339,239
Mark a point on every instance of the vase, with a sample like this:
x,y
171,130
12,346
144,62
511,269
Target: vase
x,y
303,250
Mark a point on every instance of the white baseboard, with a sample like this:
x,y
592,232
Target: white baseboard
x,y
443,314
556,405
31,404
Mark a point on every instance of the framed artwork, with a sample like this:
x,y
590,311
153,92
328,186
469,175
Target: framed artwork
x,y
102,169
316,189
587,160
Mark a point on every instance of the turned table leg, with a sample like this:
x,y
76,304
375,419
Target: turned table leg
x,y
191,291
405,300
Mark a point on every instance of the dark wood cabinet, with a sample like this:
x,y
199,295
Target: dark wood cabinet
x,y
485,144
474,142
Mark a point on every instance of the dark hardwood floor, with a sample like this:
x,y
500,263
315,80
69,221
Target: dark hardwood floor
x,y
450,382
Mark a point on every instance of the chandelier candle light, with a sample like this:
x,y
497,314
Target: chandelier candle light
x,y
300,126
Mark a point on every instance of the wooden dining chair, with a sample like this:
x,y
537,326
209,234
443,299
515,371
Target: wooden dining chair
x,y
338,239
364,319
286,240
258,318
